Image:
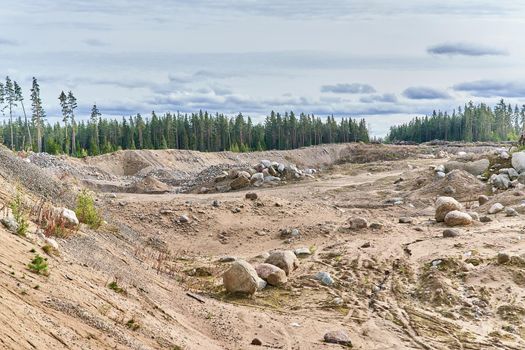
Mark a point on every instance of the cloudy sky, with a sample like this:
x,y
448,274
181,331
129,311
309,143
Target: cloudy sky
x,y
383,60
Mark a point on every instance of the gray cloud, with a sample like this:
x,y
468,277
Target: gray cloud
x,y
424,93
8,42
465,49
492,88
355,88
385,98
95,42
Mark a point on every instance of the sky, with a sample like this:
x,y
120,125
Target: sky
x,y
386,61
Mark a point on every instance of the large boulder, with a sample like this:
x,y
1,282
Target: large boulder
x,y
340,337
272,274
286,260
241,181
475,168
458,218
241,277
257,179
501,181
10,224
518,161
68,216
444,205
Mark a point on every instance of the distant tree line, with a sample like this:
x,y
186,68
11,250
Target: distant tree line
x,y
200,131
470,123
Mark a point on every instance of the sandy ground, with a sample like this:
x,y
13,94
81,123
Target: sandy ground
x,y
401,286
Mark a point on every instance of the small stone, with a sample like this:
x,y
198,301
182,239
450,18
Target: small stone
x,y
256,341
474,215
449,190
366,245
483,199
376,226
340,337
236,210
503,258
405,220
399,181
251,196
324,278
450,233
302,252
510,212
440,175
358,223
184,219
485,219
216,203
496,208
227,259
52,243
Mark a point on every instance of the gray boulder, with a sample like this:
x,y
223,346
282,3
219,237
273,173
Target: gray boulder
x,y
241,277
286,260
518,161
10,224
501,181
475,168
338,337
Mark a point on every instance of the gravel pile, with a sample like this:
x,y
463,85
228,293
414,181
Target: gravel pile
x,y
36,180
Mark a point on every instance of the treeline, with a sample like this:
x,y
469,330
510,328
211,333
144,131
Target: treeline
x,y
200,131
470,123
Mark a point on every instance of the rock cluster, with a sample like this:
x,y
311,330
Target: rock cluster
x,y
242,277
264,173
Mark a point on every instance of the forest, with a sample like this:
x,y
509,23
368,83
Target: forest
x,y
200,131
471,123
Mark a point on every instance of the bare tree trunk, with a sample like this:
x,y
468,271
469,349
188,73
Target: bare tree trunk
x,y
73,140
28,128
11,127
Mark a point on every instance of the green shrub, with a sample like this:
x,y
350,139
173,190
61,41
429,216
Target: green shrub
x,y
19,213
39,265
116,288
86,211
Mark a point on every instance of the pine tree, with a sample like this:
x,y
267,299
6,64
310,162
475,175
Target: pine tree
x,y
38,113
72,105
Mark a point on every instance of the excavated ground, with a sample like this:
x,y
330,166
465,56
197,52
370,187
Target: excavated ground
x,y
400,286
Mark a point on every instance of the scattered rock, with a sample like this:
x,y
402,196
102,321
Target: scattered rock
x,y
68,215
449,190
272,274
302,252
483,199
376,226
227,259
52,243
444,205
285,260
510,212
496,208
405,220
474,215
340,337
475,168
501,181
241,277
184,219
324,278
216,203
251,195
457,218
256,341
485,219
450,233
241,181
503,258
10,224
358,223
